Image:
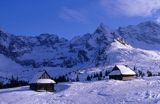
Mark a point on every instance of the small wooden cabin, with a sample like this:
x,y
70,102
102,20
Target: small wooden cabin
x,y
122,72
42,82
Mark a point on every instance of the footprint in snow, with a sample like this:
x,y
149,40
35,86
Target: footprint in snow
x,y
61,96
147,94
103,94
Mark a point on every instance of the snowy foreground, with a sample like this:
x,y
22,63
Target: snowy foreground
x,y
138,91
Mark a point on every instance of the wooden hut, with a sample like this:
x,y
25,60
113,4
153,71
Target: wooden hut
x,y
122,72
42,82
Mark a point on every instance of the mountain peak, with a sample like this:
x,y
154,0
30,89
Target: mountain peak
x,y
103,28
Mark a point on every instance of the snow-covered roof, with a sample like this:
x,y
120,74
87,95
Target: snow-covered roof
x,y
123,70
36,79
45,81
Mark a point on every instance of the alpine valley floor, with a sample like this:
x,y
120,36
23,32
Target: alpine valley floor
x,y
138,91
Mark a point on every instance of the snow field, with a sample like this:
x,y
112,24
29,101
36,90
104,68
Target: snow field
x,y
138,91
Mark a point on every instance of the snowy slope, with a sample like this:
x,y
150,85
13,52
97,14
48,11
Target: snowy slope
x,y
142,59
138,91
9,68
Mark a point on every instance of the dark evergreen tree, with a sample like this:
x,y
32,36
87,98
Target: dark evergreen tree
x,y
77,79
88,78
1,85
91,76
140,73
100,74
61,79
149,73
94,76
134,68
106,73
97,75
99,78
14,82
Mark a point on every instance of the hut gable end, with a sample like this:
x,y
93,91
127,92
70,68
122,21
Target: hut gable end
x,y
115,68
45,75
41,76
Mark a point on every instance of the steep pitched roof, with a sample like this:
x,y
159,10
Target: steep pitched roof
x,y
36,78
122,70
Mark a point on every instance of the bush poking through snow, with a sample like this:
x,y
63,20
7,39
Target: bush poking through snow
x,y
149,73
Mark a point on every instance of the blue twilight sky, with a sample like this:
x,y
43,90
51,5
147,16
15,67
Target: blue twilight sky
x,y
69,18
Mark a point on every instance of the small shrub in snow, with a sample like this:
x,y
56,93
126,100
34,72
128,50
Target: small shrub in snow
x,y
149,73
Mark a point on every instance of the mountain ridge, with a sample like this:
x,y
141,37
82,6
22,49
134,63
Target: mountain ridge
x,y
101,49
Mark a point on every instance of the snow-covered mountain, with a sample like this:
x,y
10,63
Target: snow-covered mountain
x,y
145,35
136,46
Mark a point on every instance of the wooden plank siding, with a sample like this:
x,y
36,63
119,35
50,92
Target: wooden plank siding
x,y
122,77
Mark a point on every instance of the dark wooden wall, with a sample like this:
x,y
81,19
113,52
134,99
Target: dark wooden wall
x,y
46,87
